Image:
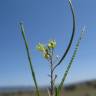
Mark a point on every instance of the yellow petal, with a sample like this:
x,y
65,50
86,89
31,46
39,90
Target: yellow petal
x,y
40,47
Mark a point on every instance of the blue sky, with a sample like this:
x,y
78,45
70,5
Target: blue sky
x,y
44,20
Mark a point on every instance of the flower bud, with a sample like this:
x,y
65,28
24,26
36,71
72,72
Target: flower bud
x,y
52,44
46,56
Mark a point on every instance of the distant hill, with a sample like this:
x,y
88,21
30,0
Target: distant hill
x,y
87,88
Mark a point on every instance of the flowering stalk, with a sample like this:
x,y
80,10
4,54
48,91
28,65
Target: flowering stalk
x,y
48,53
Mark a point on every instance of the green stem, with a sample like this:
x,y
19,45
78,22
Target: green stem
x,y
52,76
71,61
29,58
72,36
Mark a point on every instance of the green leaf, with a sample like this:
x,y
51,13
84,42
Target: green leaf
x,y
29,58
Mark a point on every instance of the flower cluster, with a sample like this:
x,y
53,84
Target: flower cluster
x,y
46,49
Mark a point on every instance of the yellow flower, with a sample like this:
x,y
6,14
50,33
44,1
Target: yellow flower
x,y
40,47
52,44
46,56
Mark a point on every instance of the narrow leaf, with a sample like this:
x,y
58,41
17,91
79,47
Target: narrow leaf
x,y
29,58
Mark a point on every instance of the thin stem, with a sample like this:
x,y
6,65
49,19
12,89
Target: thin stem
x,y
72,36
51,81
52,76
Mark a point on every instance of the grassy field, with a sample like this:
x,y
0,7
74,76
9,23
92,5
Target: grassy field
x,y
79,89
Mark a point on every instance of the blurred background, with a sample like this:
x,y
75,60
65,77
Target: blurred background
x,y
45,20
